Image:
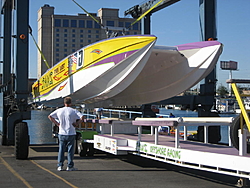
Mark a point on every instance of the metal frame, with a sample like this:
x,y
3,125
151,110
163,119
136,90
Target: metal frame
x,y
228,164
15,87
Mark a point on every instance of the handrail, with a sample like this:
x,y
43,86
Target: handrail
x,y
120,113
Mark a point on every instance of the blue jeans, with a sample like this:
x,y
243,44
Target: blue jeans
x,y
66,141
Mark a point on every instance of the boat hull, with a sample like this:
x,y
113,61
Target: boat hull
x,y
105,78
168,72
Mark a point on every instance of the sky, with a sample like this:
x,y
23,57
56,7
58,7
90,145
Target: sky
x,y
174,25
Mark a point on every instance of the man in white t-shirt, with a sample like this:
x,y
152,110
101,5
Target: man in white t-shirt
x,y
65,118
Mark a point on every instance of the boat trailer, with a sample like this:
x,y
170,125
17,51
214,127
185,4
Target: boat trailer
x,y
176,150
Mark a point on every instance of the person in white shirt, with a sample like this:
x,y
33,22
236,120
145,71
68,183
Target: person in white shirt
x,y
65,118
98,112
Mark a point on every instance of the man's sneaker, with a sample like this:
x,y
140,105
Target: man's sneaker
x,y
60,168
71,169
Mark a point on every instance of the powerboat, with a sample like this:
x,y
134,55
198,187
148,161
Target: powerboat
x,y
100,70
128,70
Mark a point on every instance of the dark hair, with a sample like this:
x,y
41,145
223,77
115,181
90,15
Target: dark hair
x,y
67,100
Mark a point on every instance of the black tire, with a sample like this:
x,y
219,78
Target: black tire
x,y
91,150
77,142
235,126
83,148
21,141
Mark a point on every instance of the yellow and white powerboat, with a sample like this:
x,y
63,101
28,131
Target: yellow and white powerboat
x,y
100,70
128,70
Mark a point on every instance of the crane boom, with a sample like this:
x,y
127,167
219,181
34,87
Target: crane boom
x,y
137,10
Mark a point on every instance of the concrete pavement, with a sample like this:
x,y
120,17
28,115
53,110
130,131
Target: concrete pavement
x,y
102,170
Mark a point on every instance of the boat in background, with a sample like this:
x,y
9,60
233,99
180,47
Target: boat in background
x,y
100,70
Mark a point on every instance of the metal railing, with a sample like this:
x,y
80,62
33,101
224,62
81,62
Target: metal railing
x,y
111,113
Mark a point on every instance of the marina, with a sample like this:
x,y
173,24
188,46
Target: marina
x,y
133,94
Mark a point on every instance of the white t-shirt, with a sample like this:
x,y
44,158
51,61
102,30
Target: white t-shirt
x,y
66,117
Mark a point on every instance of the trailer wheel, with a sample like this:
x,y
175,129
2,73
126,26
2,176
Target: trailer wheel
x,y
77,143
21,140
235,126
91,150
83,148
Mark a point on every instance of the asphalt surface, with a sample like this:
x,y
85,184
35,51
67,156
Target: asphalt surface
x,y
102,170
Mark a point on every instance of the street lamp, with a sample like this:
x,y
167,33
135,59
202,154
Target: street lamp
x,y
229,65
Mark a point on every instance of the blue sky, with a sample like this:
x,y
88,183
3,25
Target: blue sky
x,y
176,24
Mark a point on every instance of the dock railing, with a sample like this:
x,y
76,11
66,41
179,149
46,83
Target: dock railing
x,y
112,113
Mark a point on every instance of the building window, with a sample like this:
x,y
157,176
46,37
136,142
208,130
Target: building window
x,y
65,30
81,31
57,59
97,36
89,24
135,33
82,44
65,35
136,26
57,35
57,40
57,30
73,23
97,26
73,45
89,36
65,23
81,36
73,30
121,24
89,31
89,41
73,35
57,50
65,40
57,55
81,23
57,45
65,45
73,50
81,40
110,23
96,31
65,55
127,24
65,50
73,40
57,23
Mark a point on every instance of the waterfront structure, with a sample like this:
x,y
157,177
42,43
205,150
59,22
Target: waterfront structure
x,y
61,35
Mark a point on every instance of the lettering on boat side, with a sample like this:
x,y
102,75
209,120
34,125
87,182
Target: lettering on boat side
x,y
47,80
161,151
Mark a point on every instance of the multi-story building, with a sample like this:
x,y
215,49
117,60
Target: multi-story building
x,y
60,35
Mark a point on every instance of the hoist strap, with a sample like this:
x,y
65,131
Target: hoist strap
x,y
88,14
43,57
145,13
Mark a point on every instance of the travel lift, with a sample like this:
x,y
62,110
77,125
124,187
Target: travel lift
x,y
14,89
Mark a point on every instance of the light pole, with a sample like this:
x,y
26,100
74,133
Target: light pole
x,y
229,65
